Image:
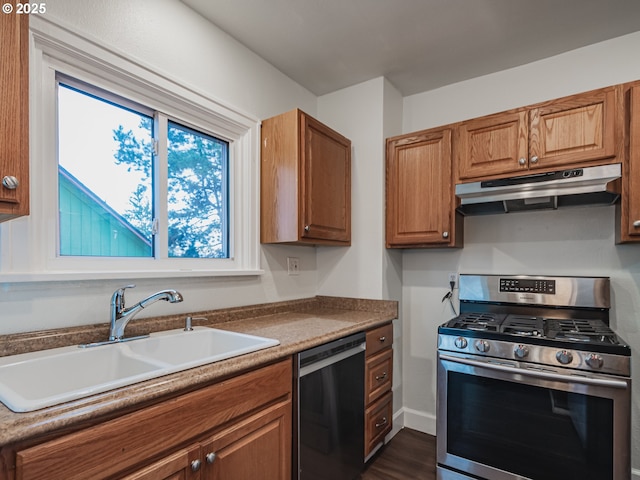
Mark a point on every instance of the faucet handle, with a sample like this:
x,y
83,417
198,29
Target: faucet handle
x,y
118,297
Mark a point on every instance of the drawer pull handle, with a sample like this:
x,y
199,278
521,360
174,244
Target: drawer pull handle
x,y
381,377
211,457
382,423
636,224
195,465
383,339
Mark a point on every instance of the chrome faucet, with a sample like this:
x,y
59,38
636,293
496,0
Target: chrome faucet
x,y
121,316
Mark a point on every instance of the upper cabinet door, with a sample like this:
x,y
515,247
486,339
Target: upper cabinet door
x,y
564,133
419,197
14,116
577,129
493,145
305,180
630,205
325,211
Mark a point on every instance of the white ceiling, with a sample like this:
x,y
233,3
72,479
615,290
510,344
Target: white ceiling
x,y
418,45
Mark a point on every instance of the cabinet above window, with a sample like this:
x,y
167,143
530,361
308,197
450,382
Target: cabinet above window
x,y
14,116
305,182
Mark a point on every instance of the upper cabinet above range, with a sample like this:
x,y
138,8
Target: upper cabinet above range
x,y
583,129
14,116
629,209
305,184
420,201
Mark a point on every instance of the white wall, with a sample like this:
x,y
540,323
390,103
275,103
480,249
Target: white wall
x,y
169,38
571,242
366,113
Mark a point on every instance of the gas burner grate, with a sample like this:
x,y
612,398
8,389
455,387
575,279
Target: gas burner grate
x,y
477,321
523,326
581,330
478,317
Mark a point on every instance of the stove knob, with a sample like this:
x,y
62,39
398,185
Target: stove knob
x,y
594,361
521,351
460,342
565,357
482,346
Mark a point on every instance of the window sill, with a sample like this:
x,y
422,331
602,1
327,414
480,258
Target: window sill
x,y
121,275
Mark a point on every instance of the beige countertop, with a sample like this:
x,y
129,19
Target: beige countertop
x,y
297,324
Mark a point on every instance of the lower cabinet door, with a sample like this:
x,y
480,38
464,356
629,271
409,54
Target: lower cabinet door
x,y
379,371
378,422
184,464
259,447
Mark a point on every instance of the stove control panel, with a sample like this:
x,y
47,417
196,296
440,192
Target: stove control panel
x,y
528,285
540,356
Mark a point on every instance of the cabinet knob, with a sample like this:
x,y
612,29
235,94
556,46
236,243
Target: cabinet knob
x,y
636,224
522,161
445,234
382,339
210,457
534,159
195,465
10,182
306,228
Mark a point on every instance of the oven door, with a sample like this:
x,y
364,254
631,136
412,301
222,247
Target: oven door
x,y
506,420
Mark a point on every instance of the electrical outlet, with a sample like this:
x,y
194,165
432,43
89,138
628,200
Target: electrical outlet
x,y
293,265
453,277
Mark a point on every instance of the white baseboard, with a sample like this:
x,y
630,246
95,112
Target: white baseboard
x,y
398,424
421,421
635,474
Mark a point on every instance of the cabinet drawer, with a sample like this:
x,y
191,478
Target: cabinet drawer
x,y
379,338
377,424
379,371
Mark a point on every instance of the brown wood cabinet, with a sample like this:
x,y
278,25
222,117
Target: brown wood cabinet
x,y
576,130
378,383
420,200
238,428
305,182
14,116
255,448
629,209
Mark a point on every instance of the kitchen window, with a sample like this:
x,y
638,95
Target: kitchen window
x,y
111,170
175,194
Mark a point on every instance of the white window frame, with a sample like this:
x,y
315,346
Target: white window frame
x,y
28,246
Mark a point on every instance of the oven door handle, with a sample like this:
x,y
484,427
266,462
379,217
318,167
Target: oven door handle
x,y
537,373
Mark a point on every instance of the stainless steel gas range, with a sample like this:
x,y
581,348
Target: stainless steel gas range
x,y
532,382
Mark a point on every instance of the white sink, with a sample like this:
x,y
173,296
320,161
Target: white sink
x,y
197,347
41,379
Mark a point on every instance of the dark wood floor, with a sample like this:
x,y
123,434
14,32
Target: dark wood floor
x,y
410,455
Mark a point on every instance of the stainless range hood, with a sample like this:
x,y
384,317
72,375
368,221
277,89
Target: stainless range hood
x,y
563,188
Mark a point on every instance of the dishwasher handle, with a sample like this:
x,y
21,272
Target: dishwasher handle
x,y
338,357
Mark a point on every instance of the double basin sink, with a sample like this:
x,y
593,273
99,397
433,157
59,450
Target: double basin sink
x,y
31,381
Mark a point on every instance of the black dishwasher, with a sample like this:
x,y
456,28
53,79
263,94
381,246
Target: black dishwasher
x,y
331,410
